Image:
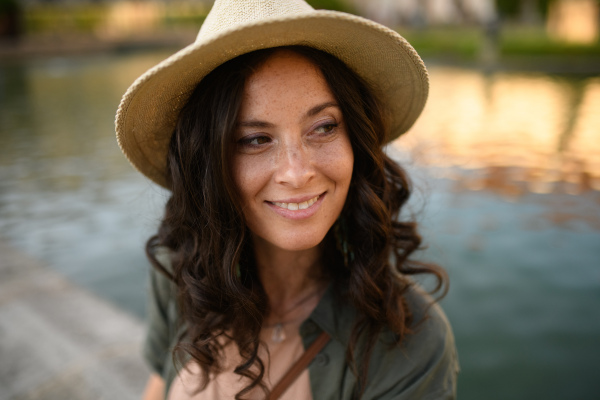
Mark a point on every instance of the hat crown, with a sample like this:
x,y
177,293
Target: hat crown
x,y
226,14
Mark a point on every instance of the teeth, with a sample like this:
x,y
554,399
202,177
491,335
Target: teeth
x,y
297,206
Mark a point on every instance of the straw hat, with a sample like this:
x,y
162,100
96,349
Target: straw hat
x,y
150,108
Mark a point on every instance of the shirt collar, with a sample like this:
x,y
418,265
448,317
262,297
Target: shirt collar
x,y
333,316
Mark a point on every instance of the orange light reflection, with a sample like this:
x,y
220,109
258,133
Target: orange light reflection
x,y
513,133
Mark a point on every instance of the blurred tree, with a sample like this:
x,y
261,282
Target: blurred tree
x,y
526,11
529,12
545,5
508,8
462,11
10,19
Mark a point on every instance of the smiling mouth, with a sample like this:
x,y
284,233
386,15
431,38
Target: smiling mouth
x,y
297,206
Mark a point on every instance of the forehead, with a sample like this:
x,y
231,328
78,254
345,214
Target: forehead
x,y
286,75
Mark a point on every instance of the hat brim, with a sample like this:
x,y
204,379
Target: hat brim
x,y
150,108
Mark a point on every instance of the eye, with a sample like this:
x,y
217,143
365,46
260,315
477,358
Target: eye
x,y
258,140
254,141
326,128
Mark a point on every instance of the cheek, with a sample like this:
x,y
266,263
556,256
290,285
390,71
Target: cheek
x,y
347,162
339,162
249,176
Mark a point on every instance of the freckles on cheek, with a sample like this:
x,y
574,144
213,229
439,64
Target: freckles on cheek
x,y
339,159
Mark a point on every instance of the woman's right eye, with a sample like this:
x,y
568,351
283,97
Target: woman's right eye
x,y
254,141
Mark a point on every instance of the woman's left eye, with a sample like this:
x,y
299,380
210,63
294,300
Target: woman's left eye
x,y
326,128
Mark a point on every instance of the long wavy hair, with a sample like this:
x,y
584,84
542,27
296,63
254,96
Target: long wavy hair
x,y
219,295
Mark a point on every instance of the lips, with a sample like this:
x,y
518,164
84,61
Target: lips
x,y
297,206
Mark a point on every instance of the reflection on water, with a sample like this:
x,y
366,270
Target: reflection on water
x,y
525,279
67,195
54,116
514,133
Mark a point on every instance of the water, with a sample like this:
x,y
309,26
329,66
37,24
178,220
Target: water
x,y
67,195
507,170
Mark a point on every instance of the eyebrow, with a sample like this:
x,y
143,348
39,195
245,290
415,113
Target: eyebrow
x,y
255,124
317,109
263,124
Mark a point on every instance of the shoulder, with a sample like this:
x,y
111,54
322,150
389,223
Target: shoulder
x,y
161,314
430,326
161,285
425,365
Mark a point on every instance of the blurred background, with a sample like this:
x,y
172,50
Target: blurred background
x,y
505,161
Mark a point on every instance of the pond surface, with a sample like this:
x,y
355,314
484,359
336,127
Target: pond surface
x,y
507,175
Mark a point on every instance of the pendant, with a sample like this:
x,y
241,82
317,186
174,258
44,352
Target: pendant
x,y
278,335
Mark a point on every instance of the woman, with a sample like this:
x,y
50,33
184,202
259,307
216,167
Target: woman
x,y
281,232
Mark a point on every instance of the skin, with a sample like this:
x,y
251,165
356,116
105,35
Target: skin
x,y
291,146
155,388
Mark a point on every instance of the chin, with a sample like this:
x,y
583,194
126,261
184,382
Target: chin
x,y
300,246
295,241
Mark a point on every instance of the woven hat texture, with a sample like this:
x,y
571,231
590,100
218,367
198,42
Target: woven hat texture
x,y
150,108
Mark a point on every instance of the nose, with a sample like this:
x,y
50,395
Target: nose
x,y
295,167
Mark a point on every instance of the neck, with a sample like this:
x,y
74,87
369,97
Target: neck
x,y
289,277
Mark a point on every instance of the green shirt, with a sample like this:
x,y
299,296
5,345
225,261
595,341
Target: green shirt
x,y
425,366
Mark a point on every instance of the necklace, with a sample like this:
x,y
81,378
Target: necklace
x,y
278,334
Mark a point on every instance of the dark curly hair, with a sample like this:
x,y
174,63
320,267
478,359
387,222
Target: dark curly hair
x,y
220,296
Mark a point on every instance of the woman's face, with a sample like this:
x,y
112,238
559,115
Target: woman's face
x,y
292,160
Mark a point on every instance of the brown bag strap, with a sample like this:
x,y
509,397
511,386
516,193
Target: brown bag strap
x,y
295,370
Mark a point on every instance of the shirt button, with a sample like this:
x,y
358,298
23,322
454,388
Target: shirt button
x,y
321,360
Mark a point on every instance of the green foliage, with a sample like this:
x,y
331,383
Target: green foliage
x,y
466,43
544,5
510,9
82,18
520,41
192,20
89,17
185,15
337,5
9,6
449,42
